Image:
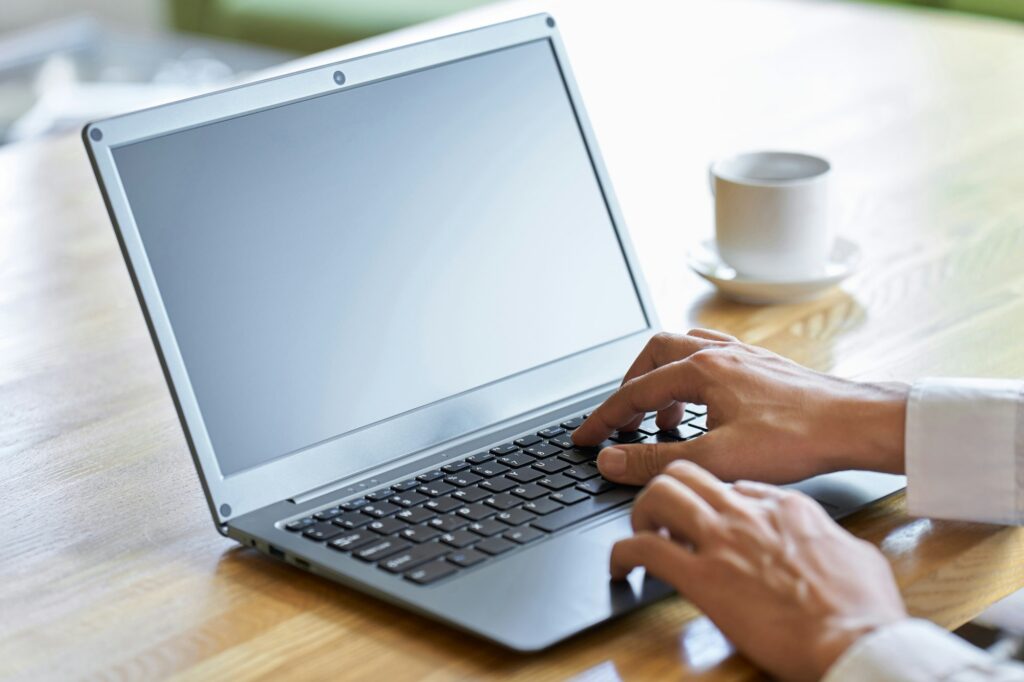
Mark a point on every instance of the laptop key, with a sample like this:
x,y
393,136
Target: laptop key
x,y
353,540
475,512
690,431
576,456
431,572
300,524
407,499
352,505
488,527
328,514
387,526
430,476
669,436
463,479
443,505
380,510
435,489
471,494
572,424
542,450
466,557
583,472
551,432
569,496
557,482
505,449
490,470
527,441
530,492
460,538
542,506
378,495
494,546
503,501
525,475
522,535
352,520
584,510
376,551
448,523
412,558
499,484
455,467
515,517
596,486
563,441
479,458
697,409
322,531
516,460
402,486
415,515
628,436
551,465
420,533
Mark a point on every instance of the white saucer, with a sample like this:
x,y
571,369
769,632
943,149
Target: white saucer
x,y
705,261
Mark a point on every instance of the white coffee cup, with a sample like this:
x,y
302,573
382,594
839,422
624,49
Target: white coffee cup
x,y
772,214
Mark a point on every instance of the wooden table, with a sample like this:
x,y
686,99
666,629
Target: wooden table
x,y
110,564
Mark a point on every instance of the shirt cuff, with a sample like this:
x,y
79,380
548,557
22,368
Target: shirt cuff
x,y
963,441
915,650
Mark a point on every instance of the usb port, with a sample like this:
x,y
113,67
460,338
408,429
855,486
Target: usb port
x,y
275,552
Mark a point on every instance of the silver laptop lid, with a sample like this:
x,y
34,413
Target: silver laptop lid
x,y
349,264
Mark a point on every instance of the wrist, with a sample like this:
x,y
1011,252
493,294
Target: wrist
x,y
872,427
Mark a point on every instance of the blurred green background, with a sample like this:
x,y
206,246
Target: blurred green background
x,y
313,25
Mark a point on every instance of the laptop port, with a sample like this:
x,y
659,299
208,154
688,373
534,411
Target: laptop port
x,y
275,552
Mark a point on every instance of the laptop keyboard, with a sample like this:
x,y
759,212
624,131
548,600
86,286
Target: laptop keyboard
x,y
484,506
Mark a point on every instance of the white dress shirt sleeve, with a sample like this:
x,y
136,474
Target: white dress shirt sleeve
x,y
964,460
916,650
965,450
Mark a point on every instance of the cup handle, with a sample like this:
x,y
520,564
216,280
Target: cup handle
x,y
711,177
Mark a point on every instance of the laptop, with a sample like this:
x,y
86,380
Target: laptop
x,y
383,293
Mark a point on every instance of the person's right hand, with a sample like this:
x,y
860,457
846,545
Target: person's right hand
x,y
770,418
781,580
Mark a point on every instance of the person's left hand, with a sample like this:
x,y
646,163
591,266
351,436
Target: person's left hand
x,y
789,587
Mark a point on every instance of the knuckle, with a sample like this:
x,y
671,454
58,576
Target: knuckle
x,y
659,486
706,358
682,467
649,460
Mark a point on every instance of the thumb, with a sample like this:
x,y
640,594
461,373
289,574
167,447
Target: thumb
x,y
639,463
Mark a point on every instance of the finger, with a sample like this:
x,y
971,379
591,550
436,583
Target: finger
x,y
758,490
670,417
639,463
662,557
657,390
667,503
661,349
711,335
716,493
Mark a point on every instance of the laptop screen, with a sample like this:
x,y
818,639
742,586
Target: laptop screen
x,y
331,263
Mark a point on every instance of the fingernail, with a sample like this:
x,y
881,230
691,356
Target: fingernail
x,y
612,461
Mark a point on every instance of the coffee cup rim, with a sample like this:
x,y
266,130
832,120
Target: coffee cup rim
x,y
822,170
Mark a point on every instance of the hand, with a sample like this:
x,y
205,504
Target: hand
x,y
788,587
770,418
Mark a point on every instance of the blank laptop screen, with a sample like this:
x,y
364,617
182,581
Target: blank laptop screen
x,y
334,262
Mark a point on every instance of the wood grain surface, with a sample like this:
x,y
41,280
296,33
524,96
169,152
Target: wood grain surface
x,y
110,566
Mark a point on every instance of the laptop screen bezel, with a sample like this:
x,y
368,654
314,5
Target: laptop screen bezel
x,y
423,428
